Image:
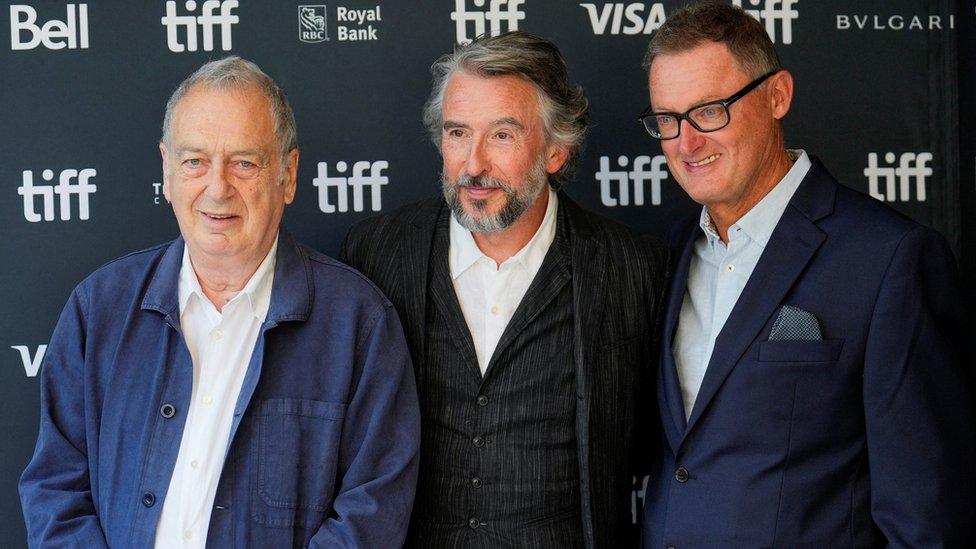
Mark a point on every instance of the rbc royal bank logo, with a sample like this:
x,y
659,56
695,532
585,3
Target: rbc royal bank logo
x,y
645,169
614,18
80,186
213,13
311,24
897,181
774,14
364,174
498,12
31,363
26,34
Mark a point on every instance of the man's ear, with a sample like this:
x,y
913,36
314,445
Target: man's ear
x,y
290,180
164,153
556,157
780,94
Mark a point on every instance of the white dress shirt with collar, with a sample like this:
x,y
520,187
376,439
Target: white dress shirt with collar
x,y
489,294
220,345
719,272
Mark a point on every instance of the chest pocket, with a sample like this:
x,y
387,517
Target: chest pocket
x,y
299,450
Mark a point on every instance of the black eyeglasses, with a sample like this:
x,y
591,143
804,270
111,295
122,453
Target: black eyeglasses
x,y
707,117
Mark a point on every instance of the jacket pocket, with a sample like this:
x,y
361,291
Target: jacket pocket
x,y
827,350
299,450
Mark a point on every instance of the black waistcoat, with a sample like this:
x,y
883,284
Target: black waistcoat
x,y
498,460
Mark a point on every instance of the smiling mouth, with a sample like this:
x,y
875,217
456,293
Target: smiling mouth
x,y
218,217
705,161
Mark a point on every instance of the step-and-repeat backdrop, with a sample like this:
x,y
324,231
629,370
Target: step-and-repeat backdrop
x,y
83,87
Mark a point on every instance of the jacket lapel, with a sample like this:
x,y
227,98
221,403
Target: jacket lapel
x,y
670,400
791,246
414,262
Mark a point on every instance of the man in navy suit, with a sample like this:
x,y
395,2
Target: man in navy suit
x,y
811,389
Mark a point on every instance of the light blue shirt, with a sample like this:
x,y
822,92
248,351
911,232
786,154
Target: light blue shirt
x,y
717,275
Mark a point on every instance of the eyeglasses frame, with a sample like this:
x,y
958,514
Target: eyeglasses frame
x,y
726,103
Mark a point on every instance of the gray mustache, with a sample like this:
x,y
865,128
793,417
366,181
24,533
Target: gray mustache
x,y
481,182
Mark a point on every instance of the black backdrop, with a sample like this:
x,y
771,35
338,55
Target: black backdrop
x,y
884,95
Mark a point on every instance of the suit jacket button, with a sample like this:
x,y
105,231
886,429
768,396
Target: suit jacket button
x,y
681,474
477,482
473,522
167,410
478,441
149,499
482,400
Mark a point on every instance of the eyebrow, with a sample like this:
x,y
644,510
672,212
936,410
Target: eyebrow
x,y
242,152
505,121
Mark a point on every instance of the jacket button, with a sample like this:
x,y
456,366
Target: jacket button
x,y
149,499
167,411
482,400
477,482
478,441
473,522
681,474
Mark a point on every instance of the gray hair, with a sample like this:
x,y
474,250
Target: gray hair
x,y
562,105
236,73
696,24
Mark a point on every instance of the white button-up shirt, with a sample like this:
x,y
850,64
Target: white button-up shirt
x,y
490,293
717,275
220,345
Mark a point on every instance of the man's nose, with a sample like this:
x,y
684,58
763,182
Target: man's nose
x,y
689,138
477,162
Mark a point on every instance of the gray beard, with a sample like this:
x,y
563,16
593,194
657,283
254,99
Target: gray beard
x,y
517,201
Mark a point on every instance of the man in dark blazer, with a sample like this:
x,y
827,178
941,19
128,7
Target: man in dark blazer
x,y
811,387
531,322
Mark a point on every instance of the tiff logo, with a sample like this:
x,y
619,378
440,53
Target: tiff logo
x,y
613,14
911,166
64,189
771,12
207,21
498,11
31,364
72,33
358,180
634,178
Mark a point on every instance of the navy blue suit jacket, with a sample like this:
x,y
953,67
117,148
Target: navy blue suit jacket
x,y
861,439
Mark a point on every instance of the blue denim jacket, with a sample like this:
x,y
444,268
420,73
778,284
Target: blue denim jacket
x,y
323,447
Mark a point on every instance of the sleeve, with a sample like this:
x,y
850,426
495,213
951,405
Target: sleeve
x,y
917,402
55,489
380,445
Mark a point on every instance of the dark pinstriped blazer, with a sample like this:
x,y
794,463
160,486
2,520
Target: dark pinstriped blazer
x,y
618,285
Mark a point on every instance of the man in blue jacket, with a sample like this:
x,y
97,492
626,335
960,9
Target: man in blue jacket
x,y
812,390
231,388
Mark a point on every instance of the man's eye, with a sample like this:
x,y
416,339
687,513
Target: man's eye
x,y
192,162
504,136
666,120
246,164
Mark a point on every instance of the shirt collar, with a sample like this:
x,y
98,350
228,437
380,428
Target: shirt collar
x,y
464,251
759,222
257,291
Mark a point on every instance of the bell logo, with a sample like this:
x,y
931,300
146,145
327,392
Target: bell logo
x,y
206,21
898,181
72,33
498,11
634,178
772,12
64,189
358,180
31,364
613,15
